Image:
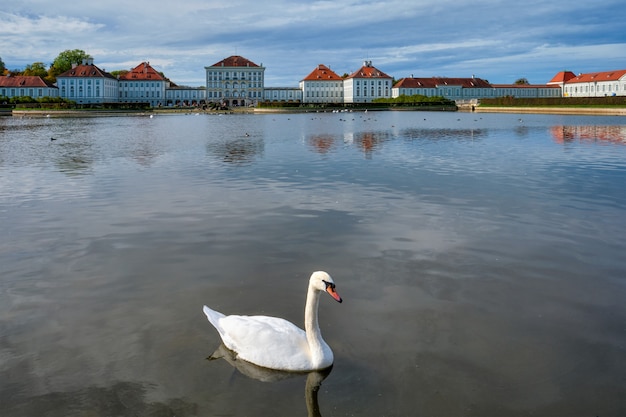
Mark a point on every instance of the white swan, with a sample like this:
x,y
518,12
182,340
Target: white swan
x,y
275,343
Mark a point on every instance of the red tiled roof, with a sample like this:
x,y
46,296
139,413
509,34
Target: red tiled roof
x,y
368,71
24,81
85,71
562,77
235,61
525,86
322,73
434,82
142,71
597,76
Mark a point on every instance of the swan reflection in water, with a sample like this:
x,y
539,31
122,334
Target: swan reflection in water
x,y
313,379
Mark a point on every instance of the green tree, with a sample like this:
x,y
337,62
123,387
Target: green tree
x,y
119,73
64,62
37,69
2,67
522,81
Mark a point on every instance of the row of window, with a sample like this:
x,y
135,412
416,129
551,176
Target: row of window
x,y
481,92
235,75
324,94
275,94
218,94
140,94
30,92
79,81
372,82
228,85
323,89
80,92
184,94
152,84
318,84
358,92
604,88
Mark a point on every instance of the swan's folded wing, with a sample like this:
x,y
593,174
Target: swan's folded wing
x,y
266,341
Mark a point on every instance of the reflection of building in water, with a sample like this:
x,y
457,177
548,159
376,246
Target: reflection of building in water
x,y
442,134
369,142
612,134
321,143
238,151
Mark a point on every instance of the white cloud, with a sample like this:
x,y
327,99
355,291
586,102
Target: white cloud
x,y
491,38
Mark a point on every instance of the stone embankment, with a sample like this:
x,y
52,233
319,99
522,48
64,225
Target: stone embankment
x,y
600,111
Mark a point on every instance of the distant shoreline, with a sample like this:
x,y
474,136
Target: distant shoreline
x,y
109,113
477,109
598,111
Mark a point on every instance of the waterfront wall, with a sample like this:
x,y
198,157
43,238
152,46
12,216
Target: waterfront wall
x,y
604,111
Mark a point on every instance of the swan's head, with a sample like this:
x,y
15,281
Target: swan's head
x,y
321,281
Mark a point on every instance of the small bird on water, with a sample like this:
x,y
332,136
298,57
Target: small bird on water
x,y
53,139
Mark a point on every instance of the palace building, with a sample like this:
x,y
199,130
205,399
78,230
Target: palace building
x,y
142,84
593,84
26,86
366,84
322,85
469,89
235,81
88,84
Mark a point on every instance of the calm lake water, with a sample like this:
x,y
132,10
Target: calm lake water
x,y
480,258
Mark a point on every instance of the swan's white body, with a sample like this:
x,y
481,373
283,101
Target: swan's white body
x,y
276,343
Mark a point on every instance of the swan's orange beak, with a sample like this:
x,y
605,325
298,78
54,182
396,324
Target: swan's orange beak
x,y
330,290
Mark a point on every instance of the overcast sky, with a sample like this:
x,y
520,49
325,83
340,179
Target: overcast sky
x,y
497,40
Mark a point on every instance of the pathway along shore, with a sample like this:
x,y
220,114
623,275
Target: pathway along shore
x,y
598,111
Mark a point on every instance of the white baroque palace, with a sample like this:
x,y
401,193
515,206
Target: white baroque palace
x,y
142,84
86,83
322,85
235,81
469,89
366,85
26,86
593,84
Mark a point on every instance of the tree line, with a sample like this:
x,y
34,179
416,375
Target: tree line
x,y
61,63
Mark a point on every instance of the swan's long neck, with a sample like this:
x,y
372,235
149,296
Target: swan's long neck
x,y
317,345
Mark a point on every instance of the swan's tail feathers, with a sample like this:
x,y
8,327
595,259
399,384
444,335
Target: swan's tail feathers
x,y
218,354
212,315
